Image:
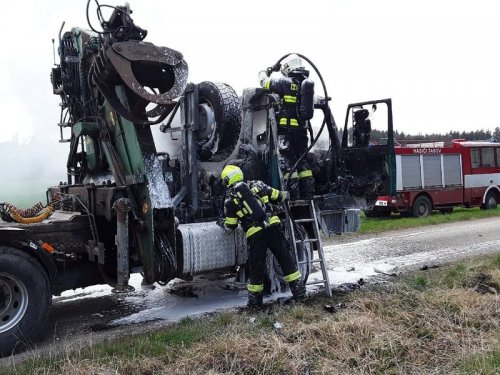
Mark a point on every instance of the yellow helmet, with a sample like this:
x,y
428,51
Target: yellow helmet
x,y
231,174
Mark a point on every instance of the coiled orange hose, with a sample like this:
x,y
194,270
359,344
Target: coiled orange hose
x,y
31,220
18,214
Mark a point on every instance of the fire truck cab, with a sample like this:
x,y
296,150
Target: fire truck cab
x,y
442,175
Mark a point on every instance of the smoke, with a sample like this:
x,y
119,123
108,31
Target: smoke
x,y
27,169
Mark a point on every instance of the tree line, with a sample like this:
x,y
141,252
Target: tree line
x,y
476,135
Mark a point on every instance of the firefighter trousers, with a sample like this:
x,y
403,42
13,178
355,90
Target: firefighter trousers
x,y
271,238
292,145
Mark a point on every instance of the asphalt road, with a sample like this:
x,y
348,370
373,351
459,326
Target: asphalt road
x,y
83,316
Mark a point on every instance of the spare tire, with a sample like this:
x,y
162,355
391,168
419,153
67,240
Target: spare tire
x,y
220,117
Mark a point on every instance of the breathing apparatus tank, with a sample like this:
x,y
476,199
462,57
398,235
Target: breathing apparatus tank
x,y
306,100
249,202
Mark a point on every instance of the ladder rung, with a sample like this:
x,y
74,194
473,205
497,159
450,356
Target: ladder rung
x,y
304,220
317,260
311,261
308,240
316,282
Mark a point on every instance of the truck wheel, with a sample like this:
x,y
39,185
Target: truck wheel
x,y
220,117
490,202
422,206
24,299
304,254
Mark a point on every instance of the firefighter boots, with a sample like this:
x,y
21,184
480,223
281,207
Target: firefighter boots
x,y
255,300
298,290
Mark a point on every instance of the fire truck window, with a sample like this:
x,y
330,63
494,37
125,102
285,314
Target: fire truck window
x,y
487,157
498,156
475,157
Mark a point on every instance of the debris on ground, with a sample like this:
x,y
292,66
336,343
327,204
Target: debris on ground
x,y
285,300
277,325
333,309
426,267
377,270
485,284
234,286
181,288
346,288
330,308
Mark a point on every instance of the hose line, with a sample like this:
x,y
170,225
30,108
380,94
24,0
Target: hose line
x,y
32,215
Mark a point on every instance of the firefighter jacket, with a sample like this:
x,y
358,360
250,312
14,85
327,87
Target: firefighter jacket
x,y
246,201
297,96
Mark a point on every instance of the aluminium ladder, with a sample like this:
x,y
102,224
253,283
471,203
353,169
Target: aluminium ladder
x,y
315,242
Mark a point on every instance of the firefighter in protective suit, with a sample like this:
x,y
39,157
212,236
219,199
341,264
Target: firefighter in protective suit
x,y
296,91
251,204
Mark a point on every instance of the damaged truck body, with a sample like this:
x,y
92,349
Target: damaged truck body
x,y
143,192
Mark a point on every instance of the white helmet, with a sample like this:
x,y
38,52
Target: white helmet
x,y
290,63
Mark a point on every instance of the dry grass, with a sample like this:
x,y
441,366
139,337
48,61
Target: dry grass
x,y
435,322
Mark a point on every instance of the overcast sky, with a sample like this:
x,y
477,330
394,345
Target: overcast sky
x,y
438,60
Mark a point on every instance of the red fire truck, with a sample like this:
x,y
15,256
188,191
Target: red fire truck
x,y
439,176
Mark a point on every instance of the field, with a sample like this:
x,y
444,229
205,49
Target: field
x,y
396,221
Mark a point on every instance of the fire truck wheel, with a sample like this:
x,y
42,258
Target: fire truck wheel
x,y
422,206
220,119
490,202
24,299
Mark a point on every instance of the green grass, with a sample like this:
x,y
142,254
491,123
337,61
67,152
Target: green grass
x,y
435,321
486,364
396,221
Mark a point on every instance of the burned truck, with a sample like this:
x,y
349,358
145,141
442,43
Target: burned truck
x,y
143,192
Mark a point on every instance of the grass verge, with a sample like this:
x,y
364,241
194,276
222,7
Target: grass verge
x,y
396,222
440,321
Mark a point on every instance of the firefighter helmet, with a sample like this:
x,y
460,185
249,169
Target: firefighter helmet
x,y
290,63
231,174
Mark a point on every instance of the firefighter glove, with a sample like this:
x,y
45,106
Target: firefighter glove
x,y
220,222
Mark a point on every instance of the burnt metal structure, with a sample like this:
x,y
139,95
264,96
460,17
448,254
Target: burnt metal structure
x,y
126,205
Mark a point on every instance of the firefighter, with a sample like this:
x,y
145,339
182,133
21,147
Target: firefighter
x,y
362,128
251,204
296,92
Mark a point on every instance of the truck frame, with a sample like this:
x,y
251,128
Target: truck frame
x,y
143,192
